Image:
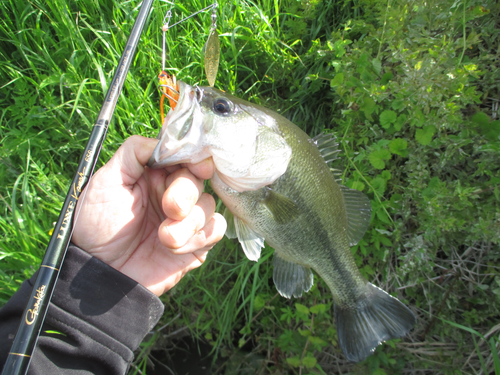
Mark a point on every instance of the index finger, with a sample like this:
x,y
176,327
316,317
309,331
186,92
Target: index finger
x,y
204,170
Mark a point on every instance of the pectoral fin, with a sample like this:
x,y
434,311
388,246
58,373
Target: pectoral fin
x,y
251,242
358,210
291,279
282,208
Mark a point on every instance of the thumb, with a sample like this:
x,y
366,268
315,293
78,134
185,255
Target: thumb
x,y
127,164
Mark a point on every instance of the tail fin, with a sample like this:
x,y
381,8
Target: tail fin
x,y
375,318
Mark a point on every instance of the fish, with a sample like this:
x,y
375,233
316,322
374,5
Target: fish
x,y
277,186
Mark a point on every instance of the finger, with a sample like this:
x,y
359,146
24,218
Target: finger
x,y
127,164
176,233
204,170
204,239
183,191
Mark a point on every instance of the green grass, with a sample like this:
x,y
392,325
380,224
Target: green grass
x,y
410,90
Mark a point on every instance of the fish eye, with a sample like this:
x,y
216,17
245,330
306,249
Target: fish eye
x,y
223,106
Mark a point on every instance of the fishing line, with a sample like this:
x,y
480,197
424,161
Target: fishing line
x,y
166,26
168,83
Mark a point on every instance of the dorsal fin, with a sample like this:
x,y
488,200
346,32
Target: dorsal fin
x,y
329,149
328,146
358,210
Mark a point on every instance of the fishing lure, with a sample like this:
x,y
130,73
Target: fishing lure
x,y
212,50
168,83
169,89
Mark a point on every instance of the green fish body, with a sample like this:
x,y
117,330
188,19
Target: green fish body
x,y
278,188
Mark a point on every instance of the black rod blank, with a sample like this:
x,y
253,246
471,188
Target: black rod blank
x,y
32,320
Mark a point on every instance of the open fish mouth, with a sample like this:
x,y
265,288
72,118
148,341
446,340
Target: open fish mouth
x,y
246,145
179,137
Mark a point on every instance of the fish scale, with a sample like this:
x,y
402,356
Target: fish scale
x,y
278,187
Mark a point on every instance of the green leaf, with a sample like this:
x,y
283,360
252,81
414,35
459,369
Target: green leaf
x,y
398,146
367,76
362,63
368,270
398,125
241,342
377,158
338,47
318,341
368,107
490,129
432,188
417,118
309,362
379,184
397,104
336,64
386,175
480,118
293,361
377,65
302,309
382,216
305,332
387,118
244,331
287,314
259,302
386,78
385,241
318,309
392,343
358,185
424,135
338,80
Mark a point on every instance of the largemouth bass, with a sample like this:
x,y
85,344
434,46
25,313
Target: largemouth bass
x,y
278,188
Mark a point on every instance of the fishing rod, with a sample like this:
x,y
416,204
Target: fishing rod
x,y
33,317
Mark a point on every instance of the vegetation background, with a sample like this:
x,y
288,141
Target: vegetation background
x,y
409,87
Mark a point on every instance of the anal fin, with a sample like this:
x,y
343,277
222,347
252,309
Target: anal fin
x,y
375,318
291,279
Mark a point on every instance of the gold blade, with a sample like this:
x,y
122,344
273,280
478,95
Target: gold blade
x,y
212,54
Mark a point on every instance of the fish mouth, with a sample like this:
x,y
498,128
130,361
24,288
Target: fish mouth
x,y
180,135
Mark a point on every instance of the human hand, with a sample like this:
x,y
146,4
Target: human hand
x,y
153,225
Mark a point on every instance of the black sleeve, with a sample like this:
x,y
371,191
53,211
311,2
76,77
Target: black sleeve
x,y
96,319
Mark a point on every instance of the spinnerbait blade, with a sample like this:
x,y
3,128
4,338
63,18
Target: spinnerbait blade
x,y
212,54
